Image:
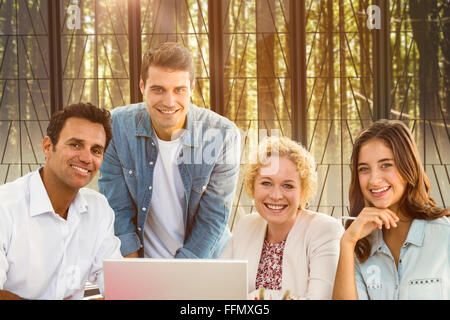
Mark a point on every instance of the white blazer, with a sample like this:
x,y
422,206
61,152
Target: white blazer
x,y
310,255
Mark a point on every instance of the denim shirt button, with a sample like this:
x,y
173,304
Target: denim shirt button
x,y
151,163
130,172
150,188
204,188
139,229
144,209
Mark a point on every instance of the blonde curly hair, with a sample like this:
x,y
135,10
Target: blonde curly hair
x,y
283,147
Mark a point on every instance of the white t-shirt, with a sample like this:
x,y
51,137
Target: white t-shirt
x,y
164,228
43,256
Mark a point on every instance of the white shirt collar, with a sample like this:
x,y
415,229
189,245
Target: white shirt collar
x,y
80,204
40,202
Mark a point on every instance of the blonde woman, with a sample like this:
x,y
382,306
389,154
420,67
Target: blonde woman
x,y
287,246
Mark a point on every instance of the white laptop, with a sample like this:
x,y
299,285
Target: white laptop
x,y
175,279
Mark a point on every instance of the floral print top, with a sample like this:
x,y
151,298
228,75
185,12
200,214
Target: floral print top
x,y
269,273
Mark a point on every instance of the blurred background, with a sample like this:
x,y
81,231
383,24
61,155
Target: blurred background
x,y
317,71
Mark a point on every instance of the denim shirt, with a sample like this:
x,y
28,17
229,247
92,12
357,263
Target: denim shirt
x,y
208,165
423,267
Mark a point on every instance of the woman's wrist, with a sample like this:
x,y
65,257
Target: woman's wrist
x,y
347,242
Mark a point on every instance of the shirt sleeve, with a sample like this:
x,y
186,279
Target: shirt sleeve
x,y
109,248
323,256
5,228
206,239
113,186
228,251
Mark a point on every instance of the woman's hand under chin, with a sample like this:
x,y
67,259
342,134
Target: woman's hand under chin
x,y
368,220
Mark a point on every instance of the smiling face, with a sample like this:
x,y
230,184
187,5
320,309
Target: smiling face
x,y
75,159
277,193
380,181
167,94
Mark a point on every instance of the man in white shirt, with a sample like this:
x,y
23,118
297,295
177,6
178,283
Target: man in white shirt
x,y
54,234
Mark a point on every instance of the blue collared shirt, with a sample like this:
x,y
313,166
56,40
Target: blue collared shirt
x,y
208,166
423,266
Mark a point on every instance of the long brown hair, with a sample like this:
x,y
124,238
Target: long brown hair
x,y
416,201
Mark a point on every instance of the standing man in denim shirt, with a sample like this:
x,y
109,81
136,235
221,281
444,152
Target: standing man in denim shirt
x,y
171,169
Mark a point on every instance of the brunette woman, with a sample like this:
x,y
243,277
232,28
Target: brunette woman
x,y
398,246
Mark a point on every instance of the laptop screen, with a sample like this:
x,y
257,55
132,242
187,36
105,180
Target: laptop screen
x,y
175,279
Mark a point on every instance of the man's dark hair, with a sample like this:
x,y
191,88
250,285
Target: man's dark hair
x,y
170,55
79,110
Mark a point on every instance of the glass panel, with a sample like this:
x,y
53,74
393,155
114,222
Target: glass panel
x,y
184,21
95,56
339,86
257,76
24,85
420,83
257,79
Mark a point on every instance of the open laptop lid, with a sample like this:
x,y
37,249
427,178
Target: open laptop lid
x,y
175,279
